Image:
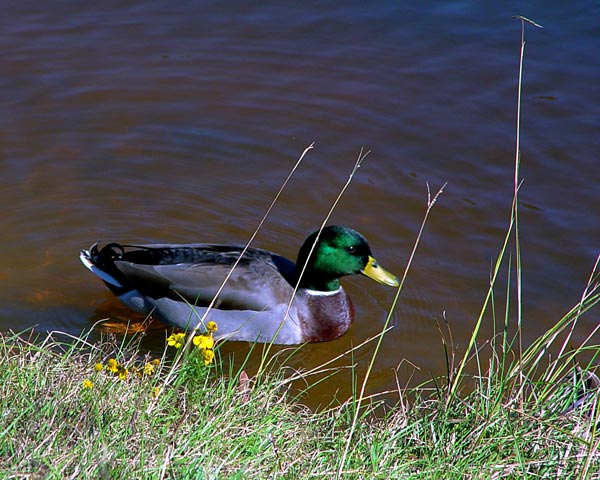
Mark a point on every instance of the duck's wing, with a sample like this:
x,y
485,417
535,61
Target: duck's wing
x,y
194,274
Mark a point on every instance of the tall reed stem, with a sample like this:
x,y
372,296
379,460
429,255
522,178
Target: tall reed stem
x,y
513,223
361,395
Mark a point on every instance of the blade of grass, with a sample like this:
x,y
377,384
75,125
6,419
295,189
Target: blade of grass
x,y
361,156
260,224
513,224
430,204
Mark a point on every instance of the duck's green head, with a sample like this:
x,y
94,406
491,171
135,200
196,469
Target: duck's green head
x,y
339,251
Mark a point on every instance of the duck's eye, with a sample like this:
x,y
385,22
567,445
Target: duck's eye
x,y
351,249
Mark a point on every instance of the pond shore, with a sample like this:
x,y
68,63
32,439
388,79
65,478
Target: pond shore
x,y
70,409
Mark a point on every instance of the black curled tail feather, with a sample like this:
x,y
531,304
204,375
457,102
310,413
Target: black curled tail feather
x,y
103,259
106,256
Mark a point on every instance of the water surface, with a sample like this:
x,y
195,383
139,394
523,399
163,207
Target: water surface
x,y
157,122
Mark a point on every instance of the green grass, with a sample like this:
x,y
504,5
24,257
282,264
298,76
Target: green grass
x,y
208,424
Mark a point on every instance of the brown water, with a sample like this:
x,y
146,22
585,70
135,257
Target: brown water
x,y
153,122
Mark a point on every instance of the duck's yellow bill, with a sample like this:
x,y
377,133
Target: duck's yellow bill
x,y
379,274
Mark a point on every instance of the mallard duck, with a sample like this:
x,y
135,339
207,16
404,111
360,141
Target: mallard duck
x,y
176,283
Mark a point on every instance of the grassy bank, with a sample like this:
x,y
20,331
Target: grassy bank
x,y
64,413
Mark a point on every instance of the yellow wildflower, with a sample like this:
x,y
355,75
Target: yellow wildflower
x,y
87,383
209,356
155,391
122,373
176,340
212,326
112,365
148,369
204,341
156,362
98,367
